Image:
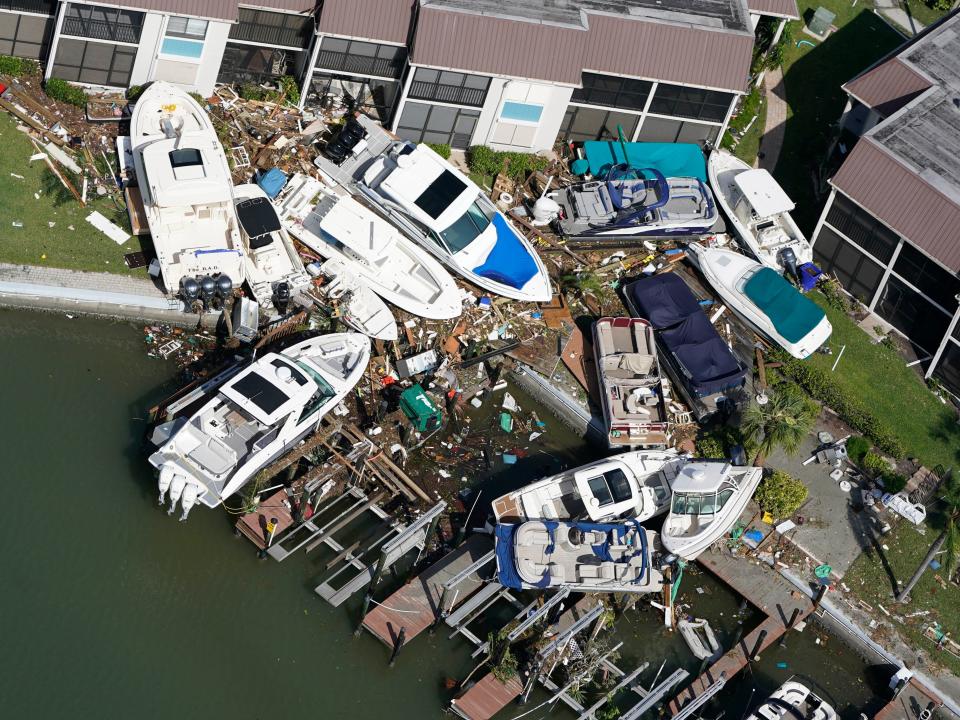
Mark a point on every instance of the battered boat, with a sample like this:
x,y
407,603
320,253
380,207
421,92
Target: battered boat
x,y
632,390
439,207
699,637
762,297
587,557
794,701
224,432
361,308
708,498
271,259
186,187
633,485
334,225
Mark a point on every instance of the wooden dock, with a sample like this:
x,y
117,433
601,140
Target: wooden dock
x,y
485,699
416,606
909,704
253,526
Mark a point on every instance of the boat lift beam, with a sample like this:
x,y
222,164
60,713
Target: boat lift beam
x,y
562,637
540,613
656,695
627,679
702,698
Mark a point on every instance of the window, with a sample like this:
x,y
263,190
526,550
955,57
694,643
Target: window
x,y
856,272
449,87
600,491
686,504
272,28
612,91
187,157
467,228
361,58
948,369
261,392
94,63
45,7
861,227
440,194
102,23
671,130
688,102
521,112
184,38
252,64
581,124
903,307
421,122
929,277
723,497
25,36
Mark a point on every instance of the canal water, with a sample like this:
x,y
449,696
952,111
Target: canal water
x,y
111,607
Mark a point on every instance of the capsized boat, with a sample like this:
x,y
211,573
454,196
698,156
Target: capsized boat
x,y
699,637
794,701
271,259
186,187
703,367
631,202
634,485
759,211
764,298
708,498
334,225
633,392
224,432
439,207
361,308
589,557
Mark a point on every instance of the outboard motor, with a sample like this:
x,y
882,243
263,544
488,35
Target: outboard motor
x,y
281,297
545,210
224,285
166,477
208,287
788,259
176,490
191,492
189,290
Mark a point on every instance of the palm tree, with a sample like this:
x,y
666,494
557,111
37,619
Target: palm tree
x,y
783,421
950,536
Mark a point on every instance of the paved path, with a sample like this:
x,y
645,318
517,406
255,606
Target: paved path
x,y
773,131
892,11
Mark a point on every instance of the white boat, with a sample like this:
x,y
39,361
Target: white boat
x,y
225,432
586,557
334,225
708,498
632,485
361,308
271,258
700,638
632,389
764,298
794,701
442,209
186,187
759,211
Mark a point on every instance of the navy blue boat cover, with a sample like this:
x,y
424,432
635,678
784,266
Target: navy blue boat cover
x,y
707,363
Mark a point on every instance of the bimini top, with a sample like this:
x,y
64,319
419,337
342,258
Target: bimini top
x,y
670,159
701,477
257,217
793,315
185,171
764,194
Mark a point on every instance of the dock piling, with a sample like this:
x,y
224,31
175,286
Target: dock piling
x,y
790,624
368,596
401,637
755,653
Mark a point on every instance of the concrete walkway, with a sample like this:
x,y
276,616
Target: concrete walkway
x,y
773,131
892,10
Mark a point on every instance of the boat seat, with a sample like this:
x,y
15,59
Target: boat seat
x,y
608,571
558,573
213,456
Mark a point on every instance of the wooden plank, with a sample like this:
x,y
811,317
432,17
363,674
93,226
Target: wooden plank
x,y
253,525
136,211
914,698
488,697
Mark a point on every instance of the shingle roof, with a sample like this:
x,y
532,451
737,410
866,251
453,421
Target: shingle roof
x,y
387,20
297,6
212,9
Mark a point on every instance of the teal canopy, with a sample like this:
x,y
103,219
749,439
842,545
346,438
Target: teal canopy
x,y
792,314
671,159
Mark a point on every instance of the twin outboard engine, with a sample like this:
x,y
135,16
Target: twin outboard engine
x,y
788,258
209,290
341,147
181,490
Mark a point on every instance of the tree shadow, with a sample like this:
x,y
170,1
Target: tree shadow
x,y
55,190
863,524
947,430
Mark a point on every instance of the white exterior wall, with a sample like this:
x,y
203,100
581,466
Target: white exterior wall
x,y
150,38
521,137
192,75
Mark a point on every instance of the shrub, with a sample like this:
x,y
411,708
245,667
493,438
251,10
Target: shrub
x,y
712,447
874,464
250,91
65,92
893,482
781,494
834,295
290,89
718,443
857,447
517,166
134,92
13,66
440,149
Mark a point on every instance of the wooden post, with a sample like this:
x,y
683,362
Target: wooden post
x,y
755,654
401,638
819,597
377,574
790,623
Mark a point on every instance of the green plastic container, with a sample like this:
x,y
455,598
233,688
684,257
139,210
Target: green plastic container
x,y
419,409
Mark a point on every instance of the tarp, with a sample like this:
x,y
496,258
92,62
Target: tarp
x,y
792,314
506,566
664,300
272,182
706,361
671,159
509,262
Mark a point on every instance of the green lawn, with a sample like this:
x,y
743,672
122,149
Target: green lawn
x,y
754,104
812,78
923,12
878,376
83,248
870,579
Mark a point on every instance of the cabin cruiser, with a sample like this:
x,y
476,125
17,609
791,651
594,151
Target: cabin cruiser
x,y
631,203
759,211
439,207
633,485
793,701
224,432
360,307
702,366
587,557
764,298
186,187
335,226
272,261
632,391
708,498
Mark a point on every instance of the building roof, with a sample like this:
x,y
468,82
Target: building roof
x,y
296,6
212,9
386,20
778,8
906,170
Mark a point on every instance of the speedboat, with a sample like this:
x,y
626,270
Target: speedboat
x,y
633,485
708,498
587,557
631,203
764,298
759,211
632,390
228,429
335,226
704,369
186,187
271,259
360,307
794,701
439,207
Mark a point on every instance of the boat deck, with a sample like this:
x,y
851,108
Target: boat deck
x,y
485,699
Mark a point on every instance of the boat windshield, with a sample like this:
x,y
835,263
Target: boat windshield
x,y
467,228
700,503
611,487
323,387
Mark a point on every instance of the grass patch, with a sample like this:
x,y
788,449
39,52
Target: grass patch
x,y
870,579
84,247
926,12
747,147
880,379
812,80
